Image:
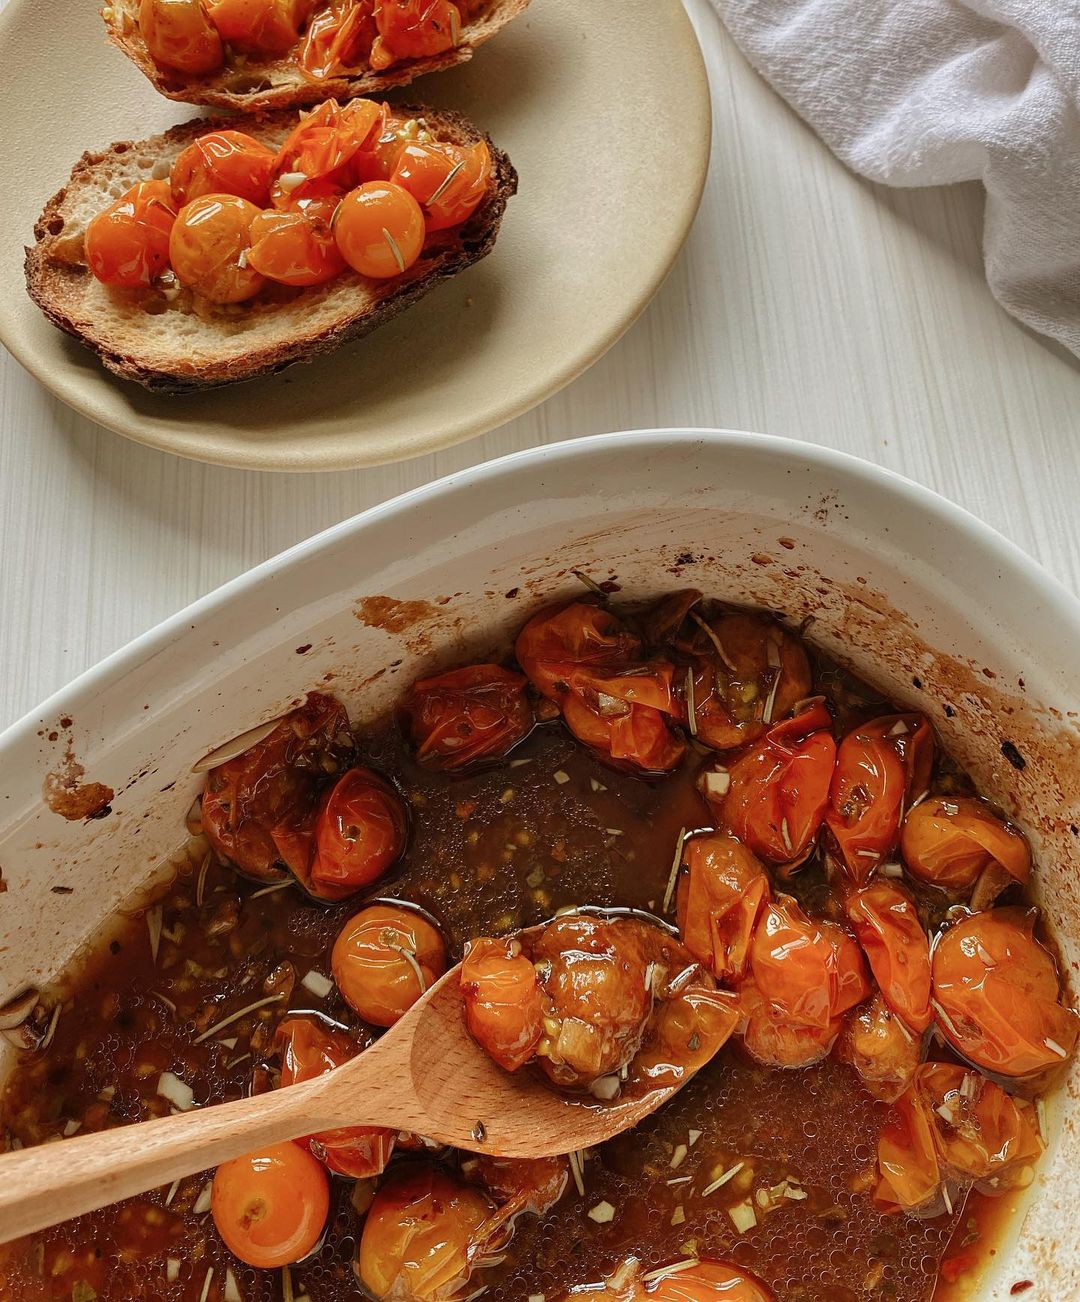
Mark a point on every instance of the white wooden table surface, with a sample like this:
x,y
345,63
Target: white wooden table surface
x,y
806,303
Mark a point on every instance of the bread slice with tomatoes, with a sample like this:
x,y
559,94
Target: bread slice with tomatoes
x,y
173,333
254,55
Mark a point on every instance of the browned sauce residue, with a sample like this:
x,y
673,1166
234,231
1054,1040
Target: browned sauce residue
x,y
66,794
391,615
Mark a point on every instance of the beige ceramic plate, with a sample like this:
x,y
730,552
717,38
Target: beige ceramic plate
x,y
603,106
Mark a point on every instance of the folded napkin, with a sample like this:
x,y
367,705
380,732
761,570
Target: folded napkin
x,y
926,92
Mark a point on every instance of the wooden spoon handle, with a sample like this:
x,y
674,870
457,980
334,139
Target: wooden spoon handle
x,y
45,1185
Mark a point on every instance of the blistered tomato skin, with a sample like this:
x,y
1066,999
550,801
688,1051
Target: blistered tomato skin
x,y
997,995
208,248
720,899
128,244
223,162
414,29
448,181
339,39
379,229
881,1049
294,249
888,927
328,139
467,716
270,1207
949,841
503,1007
909,1174
360,833
179,36
384,959
260,26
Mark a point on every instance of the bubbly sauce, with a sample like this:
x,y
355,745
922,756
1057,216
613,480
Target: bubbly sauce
x,y
488,853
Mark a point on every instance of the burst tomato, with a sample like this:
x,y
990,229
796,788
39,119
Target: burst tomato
x,y
881,1049
294,249
223,162
328,139
503,1006
414,29
179,35
778,791
379,229
260,26
721,896
881,767
208,248
128,243
384,959
997,994
888,927
521,1183
447,181
477,713
909,1177
773,1039
950,841
339,39
270,1207
687,1030
360,833
708,1281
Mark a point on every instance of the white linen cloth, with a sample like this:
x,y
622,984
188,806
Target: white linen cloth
x,y
927,92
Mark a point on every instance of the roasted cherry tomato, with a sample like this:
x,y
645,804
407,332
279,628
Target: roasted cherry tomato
x,y
258,809
521,1184
384,959
379,229
950,841
881,1049
260,26
774,796
812,972
209,245
414,29
294,249
309,1049
997,992
223,162
179,35
888,927
360,833
468,715
586,660
686,1031
748,673
503,1006
771,1037
128,243
270,1207
980,1132
721,895
338,42
909,1176
448,181
315,199
423,1235
328,139
708,1281
882,767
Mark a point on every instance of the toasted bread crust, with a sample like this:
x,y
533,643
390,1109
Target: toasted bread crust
x,y
276,83
310,323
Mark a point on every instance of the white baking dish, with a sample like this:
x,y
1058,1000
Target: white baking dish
x,y
920,597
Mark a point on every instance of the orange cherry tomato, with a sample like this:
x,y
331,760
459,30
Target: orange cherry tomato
x,y
812,972
980,1132
686,1031
338,42
909,1176
179,35
260,26
881,1049
708,1281
949,841
379,229
294,249
384,959
996,993
308,1050
360,833
258,809
888,927
414,29
748,673
223,162
422,1235
501,996
776,793
720,898
527,1184
881,767
315,199
771,1037
128,243
449,182
208,248
638,738
327,140
477,713
270,1207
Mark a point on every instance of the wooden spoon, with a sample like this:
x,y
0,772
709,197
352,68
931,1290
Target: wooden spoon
x,y
426,1075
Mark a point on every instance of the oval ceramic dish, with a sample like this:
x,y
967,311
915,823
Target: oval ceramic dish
x,y
924,600
603,107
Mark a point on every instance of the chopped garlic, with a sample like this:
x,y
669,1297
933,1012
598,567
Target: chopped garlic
x,y
561,777
319,985
179,1094
679,1155
742,1216
603,1213
202,1203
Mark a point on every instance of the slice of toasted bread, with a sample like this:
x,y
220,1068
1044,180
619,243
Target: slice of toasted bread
x,y
177,344
277,83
